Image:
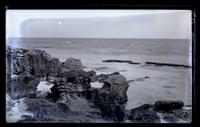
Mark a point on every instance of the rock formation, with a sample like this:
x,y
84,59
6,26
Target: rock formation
x,y
111,98
168,105
69,84
144,114
72,64
71,97
170,110
26,67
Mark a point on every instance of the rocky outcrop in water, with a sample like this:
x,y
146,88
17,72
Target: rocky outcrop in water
x,y
168,105
111,98
156,64
72,99
166,110
121,61
144,114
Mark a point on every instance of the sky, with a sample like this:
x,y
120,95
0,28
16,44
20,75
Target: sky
x,y
170,24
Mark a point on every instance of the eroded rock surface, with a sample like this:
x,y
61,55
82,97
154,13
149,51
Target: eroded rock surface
x,y
26,67
71,97
111,98
144,114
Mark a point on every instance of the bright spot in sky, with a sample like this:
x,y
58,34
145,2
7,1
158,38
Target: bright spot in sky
x,y
60,23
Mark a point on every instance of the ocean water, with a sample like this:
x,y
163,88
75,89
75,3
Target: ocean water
x,y
163,83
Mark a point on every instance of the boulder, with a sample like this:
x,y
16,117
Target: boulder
x,y
144,114
72,64
168,105
111,98
116,84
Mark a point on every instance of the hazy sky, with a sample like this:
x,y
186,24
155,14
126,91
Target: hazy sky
x,y
99,23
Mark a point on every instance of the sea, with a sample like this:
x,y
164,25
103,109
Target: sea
x,y
163,82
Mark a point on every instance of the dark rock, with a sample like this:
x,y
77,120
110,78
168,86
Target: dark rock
x,y
76,77
115,73
111,98
121,61
168,105
22,85
93,76
184,114
29,65
72,64
144,114
170,118
167,64
102,77
44,110
117,85
69,85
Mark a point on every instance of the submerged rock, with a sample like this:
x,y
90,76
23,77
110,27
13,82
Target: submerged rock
x,y
168,105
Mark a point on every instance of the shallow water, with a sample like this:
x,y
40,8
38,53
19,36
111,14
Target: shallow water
x,y
164,82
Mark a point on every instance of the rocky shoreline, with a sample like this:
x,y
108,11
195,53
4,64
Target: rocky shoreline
x,y
71,97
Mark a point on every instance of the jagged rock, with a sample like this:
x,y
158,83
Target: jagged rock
x,y
168,105
28,65
111,98
22,87
144,114
47,111
117,85
76,77
36,63
93,76
102,77
184,114
69,84
72,64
